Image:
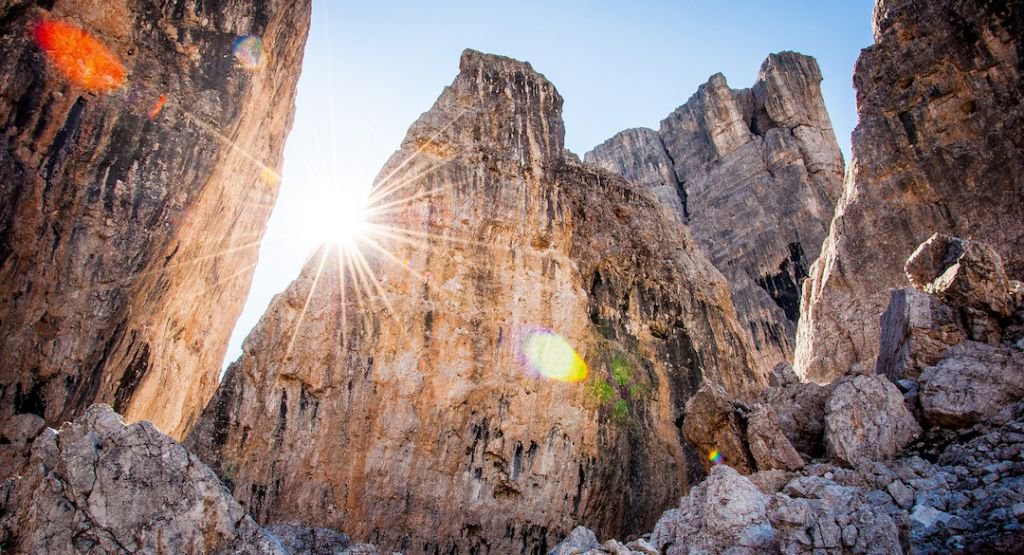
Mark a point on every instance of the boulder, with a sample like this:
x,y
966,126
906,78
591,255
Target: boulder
x,y
916,331
974,381
725,512
712,424
800,408
101,486
866,420
768,444
580,540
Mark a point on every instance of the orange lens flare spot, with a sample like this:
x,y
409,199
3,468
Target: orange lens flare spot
x,y
548,355
155,110
85,61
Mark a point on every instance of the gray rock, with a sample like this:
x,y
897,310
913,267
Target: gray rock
x,y
974,381
735,164
711,424
916,331
580,540
936,149
866,420
99,485
800,408
726,511
768,444
962,273
314,541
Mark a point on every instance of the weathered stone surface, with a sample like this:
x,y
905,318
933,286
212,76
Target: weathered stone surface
x,y
724,512
937,149
972,382
768,445
824,517
800,408
712,423
401,407
580,540
916,331
962,273
129,229
866,420
756,173
100,486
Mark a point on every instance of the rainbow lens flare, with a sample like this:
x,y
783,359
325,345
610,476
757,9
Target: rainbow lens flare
x,y
79,56
548,355
715,457
249,52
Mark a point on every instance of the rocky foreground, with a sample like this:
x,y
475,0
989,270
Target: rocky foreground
x,y
933,463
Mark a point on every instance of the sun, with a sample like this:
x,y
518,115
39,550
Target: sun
x,y
335,214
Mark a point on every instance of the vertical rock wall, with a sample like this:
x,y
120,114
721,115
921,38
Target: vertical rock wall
x,y
393,391
938,149
137,170
754,173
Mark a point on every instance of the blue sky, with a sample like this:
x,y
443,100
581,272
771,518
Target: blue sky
x,y
371,68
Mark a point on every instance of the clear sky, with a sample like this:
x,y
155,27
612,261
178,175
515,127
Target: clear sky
x,y
371,68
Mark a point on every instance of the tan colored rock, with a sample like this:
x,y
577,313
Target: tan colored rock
x,y
866,420
755,174
800,408
916,331
401,404
768,445
936,149
129,229
713,424
972,382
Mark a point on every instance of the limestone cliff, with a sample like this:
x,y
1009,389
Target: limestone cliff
x,y
406,392
937,149
755,174
138,167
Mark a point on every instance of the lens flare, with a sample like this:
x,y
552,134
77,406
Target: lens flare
x,y
155,110
715,457
548,355
249,52
81,58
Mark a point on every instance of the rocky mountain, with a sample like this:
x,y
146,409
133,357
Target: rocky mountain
x,y
931,464
937,149
511,357
755,174
137,170
526,352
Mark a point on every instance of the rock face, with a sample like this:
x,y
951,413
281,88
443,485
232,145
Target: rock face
x,y
866,420
99,486
937,149
137,171
414,403
755,174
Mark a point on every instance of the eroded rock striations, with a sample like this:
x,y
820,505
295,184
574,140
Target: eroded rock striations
x,y
402,397
937,149
755,174
135,185
959,489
